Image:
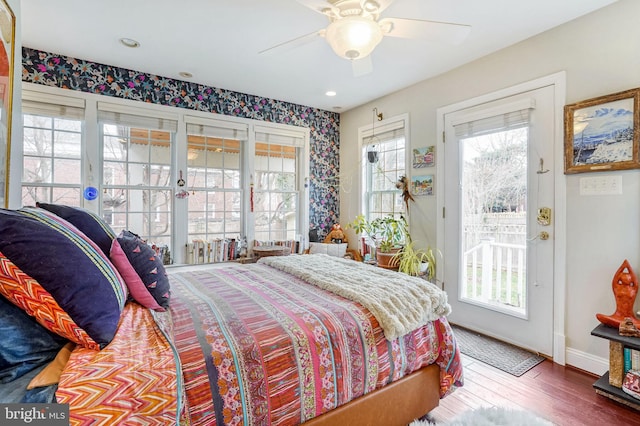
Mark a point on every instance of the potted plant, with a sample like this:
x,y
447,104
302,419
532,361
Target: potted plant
x,y
415,262
388,235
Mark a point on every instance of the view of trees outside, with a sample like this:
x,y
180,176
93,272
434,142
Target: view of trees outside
x,y
275,192
494,206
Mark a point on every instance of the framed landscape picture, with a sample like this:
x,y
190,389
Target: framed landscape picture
x,y
422,185
601,134
423,157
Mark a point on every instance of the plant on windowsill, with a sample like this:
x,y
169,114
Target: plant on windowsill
x,y
388,235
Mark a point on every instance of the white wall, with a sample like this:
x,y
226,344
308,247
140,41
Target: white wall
x,y
600,53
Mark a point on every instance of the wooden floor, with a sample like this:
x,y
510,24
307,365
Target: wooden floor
x,y
562,395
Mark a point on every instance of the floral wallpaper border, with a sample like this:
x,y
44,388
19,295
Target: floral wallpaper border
x,y
65,72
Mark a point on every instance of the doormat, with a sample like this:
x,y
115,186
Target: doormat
x,y
506,357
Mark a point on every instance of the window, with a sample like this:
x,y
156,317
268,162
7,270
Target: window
x,y
52,152
383,164
136,153
137,192
276,185
214,173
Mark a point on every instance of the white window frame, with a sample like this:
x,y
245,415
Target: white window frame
x,y
399,122
92,173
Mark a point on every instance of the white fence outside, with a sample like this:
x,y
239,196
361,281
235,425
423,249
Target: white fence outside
x,y
495,273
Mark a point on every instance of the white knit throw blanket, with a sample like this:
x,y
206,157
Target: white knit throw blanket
x,y
399,302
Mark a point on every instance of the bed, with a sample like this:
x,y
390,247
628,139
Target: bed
x,y
293,339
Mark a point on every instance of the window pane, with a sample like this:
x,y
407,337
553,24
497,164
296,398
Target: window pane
x,y
36,169
67,196
67,144
33,194
66,171
114,148
37,121
37,142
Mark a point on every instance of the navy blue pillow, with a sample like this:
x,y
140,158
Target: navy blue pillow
x,y
70,267
25,344
89,223
148,266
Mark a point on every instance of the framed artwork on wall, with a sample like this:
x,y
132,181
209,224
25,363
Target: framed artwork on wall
x,y
422,185
423,157
601,134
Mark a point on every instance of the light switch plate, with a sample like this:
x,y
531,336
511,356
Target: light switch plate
x,y
601,185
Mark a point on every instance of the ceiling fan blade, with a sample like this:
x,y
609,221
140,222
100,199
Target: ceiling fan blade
x,y
447,32
362,66
292,44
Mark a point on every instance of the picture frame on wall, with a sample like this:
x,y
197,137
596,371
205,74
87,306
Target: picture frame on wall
x,y
423,157
602,134
422,185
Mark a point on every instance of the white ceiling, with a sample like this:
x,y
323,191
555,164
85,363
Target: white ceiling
x,y
218,41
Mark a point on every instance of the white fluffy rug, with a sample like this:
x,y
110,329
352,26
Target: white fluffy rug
x,y
491,416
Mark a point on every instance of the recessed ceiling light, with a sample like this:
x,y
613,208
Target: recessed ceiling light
x,y
185,74
129,42
330,93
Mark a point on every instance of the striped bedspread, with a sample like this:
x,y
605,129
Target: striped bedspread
x,y
258,346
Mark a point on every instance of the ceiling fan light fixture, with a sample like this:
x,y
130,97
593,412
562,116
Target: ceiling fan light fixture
x,y
353,37
370,6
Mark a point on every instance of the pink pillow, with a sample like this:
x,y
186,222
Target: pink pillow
x,y
137,289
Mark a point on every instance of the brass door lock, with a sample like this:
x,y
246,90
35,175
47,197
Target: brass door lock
x,y
544,216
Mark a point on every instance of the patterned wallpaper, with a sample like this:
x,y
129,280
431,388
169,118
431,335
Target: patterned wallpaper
x,y
54,70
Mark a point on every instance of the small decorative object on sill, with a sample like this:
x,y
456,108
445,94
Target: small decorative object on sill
x,y
628,329
625,289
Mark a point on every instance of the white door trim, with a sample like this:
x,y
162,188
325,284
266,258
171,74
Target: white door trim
x,y
558,80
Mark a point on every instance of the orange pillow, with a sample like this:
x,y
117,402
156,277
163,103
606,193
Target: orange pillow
x,y
50,375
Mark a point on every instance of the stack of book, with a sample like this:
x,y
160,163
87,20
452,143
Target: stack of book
x,y
631,359
212,251
294,245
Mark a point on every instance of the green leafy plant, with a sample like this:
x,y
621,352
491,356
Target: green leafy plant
x,y
411,260
386,232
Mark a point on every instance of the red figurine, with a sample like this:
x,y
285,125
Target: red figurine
x,y
625,289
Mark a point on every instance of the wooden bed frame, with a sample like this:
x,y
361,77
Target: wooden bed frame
x,y
398,403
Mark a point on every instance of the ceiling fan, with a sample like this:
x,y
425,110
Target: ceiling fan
x,y
355,29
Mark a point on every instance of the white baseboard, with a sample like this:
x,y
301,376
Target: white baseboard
x,y
587,362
